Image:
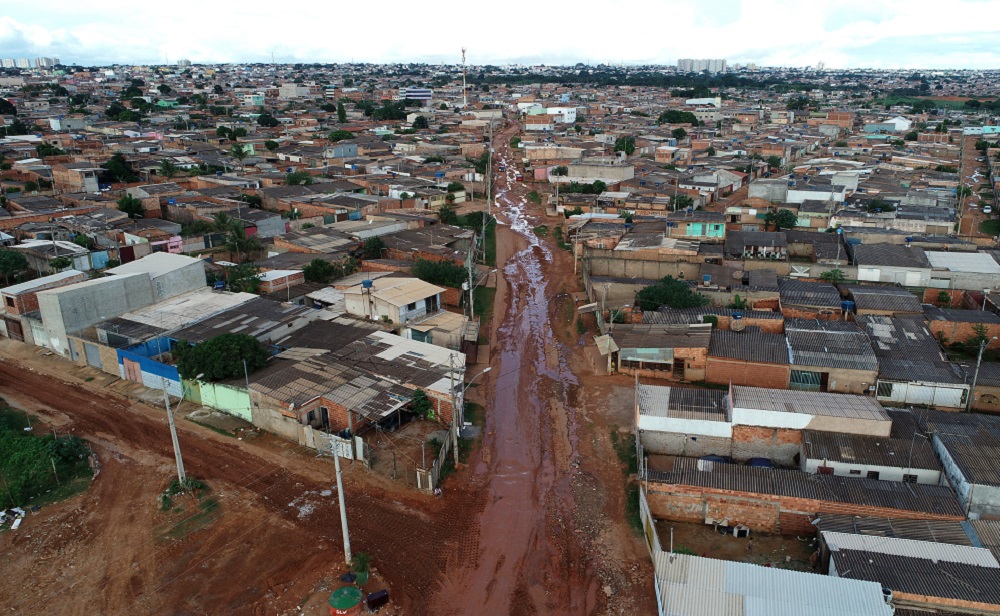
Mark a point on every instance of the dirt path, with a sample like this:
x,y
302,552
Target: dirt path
x,y
111,551
545,543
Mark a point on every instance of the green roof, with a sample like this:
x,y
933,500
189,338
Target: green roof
x,y
346,597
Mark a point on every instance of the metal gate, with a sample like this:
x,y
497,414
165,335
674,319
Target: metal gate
x,y
93,354
14,331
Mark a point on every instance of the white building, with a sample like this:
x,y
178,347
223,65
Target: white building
x,y
46,62
688,65
23,63
397,300
563,115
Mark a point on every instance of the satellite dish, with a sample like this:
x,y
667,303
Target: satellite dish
x,y
737,326
738,275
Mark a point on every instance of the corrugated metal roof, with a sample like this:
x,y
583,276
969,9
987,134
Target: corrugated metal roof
x,y
817,294
884,297
813,343
871,492
808,402
921,576
937,552
696,586
751,344
940,531
682,402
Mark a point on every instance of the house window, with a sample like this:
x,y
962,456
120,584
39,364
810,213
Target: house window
x,y
412,306
910,478
10,301
854,471
872,475
310,417
884,390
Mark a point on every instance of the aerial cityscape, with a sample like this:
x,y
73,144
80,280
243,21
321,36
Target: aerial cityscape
x,y
392,327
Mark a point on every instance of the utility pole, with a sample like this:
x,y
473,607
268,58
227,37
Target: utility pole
x,y
465,98
343,508
454,406
173,436
975,375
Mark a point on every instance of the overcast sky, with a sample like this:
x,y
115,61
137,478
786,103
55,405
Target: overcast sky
x,y
840,33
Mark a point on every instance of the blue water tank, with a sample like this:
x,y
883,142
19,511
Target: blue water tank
x,y
847,306
366,284
737,315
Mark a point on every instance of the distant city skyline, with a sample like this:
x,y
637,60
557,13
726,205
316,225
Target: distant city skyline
x,y
913,34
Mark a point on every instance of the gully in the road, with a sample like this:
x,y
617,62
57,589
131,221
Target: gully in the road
x,y
529,559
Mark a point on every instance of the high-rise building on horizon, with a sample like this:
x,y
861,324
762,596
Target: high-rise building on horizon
x,y
183,62
688,65
23,63
7,63
46,62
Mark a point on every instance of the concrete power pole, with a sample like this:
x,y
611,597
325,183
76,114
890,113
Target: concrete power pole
x,y
173,437
343,508
454,406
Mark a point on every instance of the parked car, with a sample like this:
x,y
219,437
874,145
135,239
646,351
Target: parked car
x,y
759,463
987,209
519,178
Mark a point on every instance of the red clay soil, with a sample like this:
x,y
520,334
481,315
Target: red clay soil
x,y
551,537
534,525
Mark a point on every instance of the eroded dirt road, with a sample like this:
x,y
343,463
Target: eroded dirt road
x,y
547,535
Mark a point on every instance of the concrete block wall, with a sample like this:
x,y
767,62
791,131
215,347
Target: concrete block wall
x,y
674,444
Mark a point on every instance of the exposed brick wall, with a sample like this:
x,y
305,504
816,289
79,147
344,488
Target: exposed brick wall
x,y
16,221
960,332
28,302
955,295
722,371
822,314
761,512
777,444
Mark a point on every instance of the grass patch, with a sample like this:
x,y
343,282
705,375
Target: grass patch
x,y
557,233
625,450
534,197
913,100
192,507
482,303
211,427
491,243
541,230
580,327
632,508
475,414
990,227
39,469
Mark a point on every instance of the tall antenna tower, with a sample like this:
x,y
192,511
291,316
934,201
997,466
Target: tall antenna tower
x,y
465,99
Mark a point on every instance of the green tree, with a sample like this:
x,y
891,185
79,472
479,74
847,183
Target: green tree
x,y
679,133
420,122
297,178
341,113
911,136
561,170
448,215
711,151
680,202
455,187
834,276
675,116
12,263
373,248
515,141
221,357
271,145
164,89
240,153
267,120
7,107
319,270
239,132
243,278
669,292
980,336
120,168
167,168
47,149
943,298
131,206
82,240
781,219
444,273
238,243
341,135
420,404
774,162
964,191
60,263
625,144
217,89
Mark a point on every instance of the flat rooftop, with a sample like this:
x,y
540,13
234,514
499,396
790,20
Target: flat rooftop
x,y
808,403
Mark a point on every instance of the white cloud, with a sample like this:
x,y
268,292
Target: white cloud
x,y
842,33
